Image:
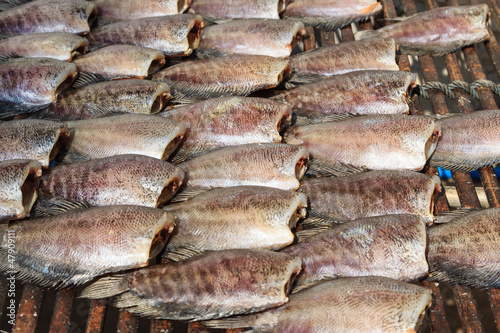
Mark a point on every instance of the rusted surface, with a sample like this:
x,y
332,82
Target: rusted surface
x,y
495,9
309,40
467,309
161,326
60,321
95,321
29,308
494,298
127,322
436,311
197,328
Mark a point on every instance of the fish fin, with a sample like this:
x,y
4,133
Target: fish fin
x,y
302,121
181,253
84,79
186,153
67,155
106,287
8,56
186,194
465,166
205,54
297,79
454,214
478,276
10,109
9,4
366,34
338,169
181,98
232,322
102,110
56,207
320,223
308,233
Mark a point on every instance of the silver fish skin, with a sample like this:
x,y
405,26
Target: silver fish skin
x,y
359,92
213,285
391,245
331,14
73,248
269,37
467,250
261,217
31,139
18,187
229,121
261,164
116,180
123,10
174,35
373,193
73,16
361,304
140,134
56,45
469,142
378,142
437,32
231,9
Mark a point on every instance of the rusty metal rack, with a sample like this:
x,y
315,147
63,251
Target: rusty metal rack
x,y
455,308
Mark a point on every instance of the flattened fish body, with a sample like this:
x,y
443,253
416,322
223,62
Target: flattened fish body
x,y
119,135
18,185
31,139
362,304
438,31
224,9
469,141
467,251
274,38
234,75
213,285
173,35
73,248
130,9
360,92
373,193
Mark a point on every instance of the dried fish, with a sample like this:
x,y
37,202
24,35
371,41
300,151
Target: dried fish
x,y
438,31
228,9
214,285
122,10
274,38
470,141
18,185
75,247
362,304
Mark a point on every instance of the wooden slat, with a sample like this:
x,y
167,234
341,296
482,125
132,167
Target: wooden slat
x,y
95,321
60,321
29,308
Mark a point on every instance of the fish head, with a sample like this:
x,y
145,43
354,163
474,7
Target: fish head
x,y
412,88
162,233
171,188
177,137
301,161
285,119
300,211
156,64
161,97
195,32
433,139
479,15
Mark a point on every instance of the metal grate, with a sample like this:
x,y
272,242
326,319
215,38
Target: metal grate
x,y
42,311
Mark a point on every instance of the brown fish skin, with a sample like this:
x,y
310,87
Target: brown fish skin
x,y
261,164
438,31
56,45
121,62
18,184
467,250
129,9
73,16
274,38
74,247
233,75
331,14
378,142
108,98
230,9
31,139
360,92
140,134
116,180
470,141
213,285
361,304
392,246
174,35
373,193
370,54
261,217
229,121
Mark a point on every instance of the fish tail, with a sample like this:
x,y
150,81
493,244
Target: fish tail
x,y
366,34
106,287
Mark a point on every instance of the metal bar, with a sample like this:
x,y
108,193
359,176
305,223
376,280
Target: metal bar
x,y
127,322
60,321
197,327
95,321
495,9
161,326
438,319
29,308
309,40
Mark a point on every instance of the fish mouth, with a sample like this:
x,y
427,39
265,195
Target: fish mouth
x,y
194,34
301,166
172,146
28,188
299,213
80,48
156,64
160,102
160,240
182,5
63,135
170,189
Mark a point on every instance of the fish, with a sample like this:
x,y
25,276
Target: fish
x,y
73,248
229,121
213,285
470,141
331,14
238,217
260,164
321,63
121,10
391,245
31,84
140,134
232,75
18,187
109,98
174,35
359,92
73,16
269,37
216,10
121,62
358,304
374,193
466,250
116,180
31,139
56,45
438,31
377,142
